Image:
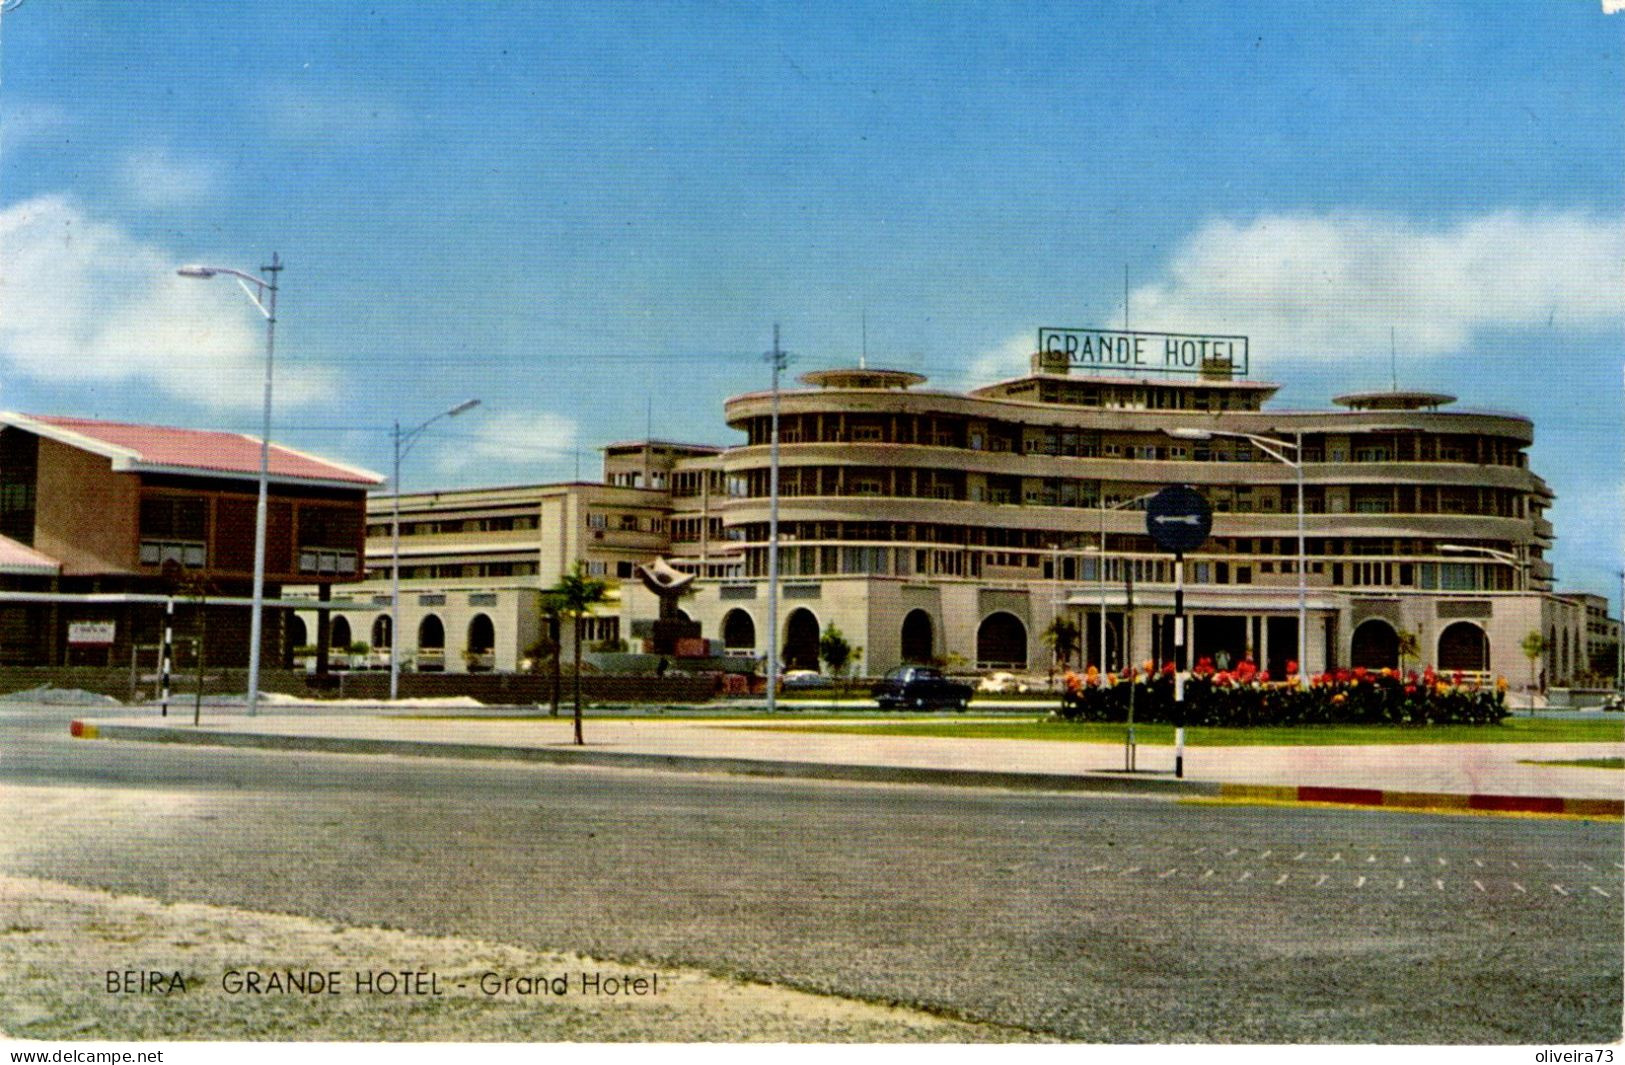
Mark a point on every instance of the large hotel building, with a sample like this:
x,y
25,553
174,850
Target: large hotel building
x,y
957,526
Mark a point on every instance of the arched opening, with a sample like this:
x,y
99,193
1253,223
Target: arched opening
x,y
431,644
801,640
1001,642
338,635
918,637
738,632
1376,645
382,636
1463,645
482,642
298,635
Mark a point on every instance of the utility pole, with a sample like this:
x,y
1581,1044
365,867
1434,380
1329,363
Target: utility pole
x,y
778,358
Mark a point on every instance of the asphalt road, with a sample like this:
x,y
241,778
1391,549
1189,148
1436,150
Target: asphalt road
x,y
1088,918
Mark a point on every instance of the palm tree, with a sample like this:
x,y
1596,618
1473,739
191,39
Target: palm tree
x,y
1062,639
575,595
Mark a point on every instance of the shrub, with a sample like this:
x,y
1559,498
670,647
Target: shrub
x,y
1245,697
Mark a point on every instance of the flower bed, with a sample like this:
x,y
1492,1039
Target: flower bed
x,y
1245,696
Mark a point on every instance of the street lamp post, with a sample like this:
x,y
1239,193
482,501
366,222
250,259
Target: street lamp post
x,y
407,438
263,295
1274,448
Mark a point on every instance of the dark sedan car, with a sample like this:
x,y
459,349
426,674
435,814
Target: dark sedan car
x,y
919,687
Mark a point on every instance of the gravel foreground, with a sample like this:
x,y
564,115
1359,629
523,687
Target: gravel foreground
x,y
58,943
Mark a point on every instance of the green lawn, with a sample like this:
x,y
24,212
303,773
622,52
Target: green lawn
x,y
1583,763
1513,730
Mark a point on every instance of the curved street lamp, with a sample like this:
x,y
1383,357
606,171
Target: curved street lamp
x,y
263,296
1276,449
403,444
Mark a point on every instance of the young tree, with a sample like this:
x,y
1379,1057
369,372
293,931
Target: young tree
x,y
1062,639
1410,647
575,595
834,650
1533,646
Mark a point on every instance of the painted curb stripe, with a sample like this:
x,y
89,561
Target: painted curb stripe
x,y
84,731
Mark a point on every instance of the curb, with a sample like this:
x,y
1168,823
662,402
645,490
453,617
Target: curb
x,y
1425,800
568,755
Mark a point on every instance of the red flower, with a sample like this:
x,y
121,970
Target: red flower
x,y
1292,667
1264,677
1167,669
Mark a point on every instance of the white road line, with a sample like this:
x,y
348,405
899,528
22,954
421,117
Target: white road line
x,y
1478,862
1601,892
1198,850
1559,889
1097,868
1132,869
1407,859
1231,853
1549,865
1360,882
1282,879
1266,854
1401,885
1438,883
1515,865
1370,858
1587,867
1519,888
1322,880
1300,856
1205,875
1337,857
1169,873
1480,886
1244,876
1443,862
1619,865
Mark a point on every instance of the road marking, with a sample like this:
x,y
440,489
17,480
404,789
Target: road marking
x,y
1559,889
1281,881
1266,854
1169,873
1601,892
1587,867
1231,853
1322,880
1131,869
1478,862
1407,859
1198,850
1549,865
1619,865
1337,857
1438,883
1370,858
1401,885
1443,862
1515,865
1480,886
1244,876
1205,875
1097,868
1519,888
1299,856
1360,882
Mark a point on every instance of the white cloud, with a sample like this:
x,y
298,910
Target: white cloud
x,y
1012,358
331,117
153,178
530,445
83,301
1327,287
21,123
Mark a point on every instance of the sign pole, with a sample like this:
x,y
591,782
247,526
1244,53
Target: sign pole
x,y
1179,664
166,652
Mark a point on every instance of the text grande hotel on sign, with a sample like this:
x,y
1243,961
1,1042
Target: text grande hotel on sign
x,y
1123,349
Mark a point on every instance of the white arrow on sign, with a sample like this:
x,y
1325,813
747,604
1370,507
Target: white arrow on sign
x,y
1182,519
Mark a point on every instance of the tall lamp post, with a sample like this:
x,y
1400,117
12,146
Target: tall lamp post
x,y
263,296
403,444
1276,449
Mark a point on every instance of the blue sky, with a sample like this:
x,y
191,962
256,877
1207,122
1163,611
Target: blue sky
x,y
591,215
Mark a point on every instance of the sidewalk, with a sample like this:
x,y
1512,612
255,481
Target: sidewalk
x,y
1482,776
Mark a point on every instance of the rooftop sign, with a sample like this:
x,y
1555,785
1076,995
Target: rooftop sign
x,y
1114,349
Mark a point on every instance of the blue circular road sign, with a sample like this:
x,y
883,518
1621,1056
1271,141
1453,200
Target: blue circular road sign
x,y
1178,519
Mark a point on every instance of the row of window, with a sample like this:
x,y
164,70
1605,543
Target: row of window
x,y
625,522
501,523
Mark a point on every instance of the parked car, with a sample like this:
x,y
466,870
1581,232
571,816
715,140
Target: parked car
x,y
919,687
798,679
1615,702
1001,682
